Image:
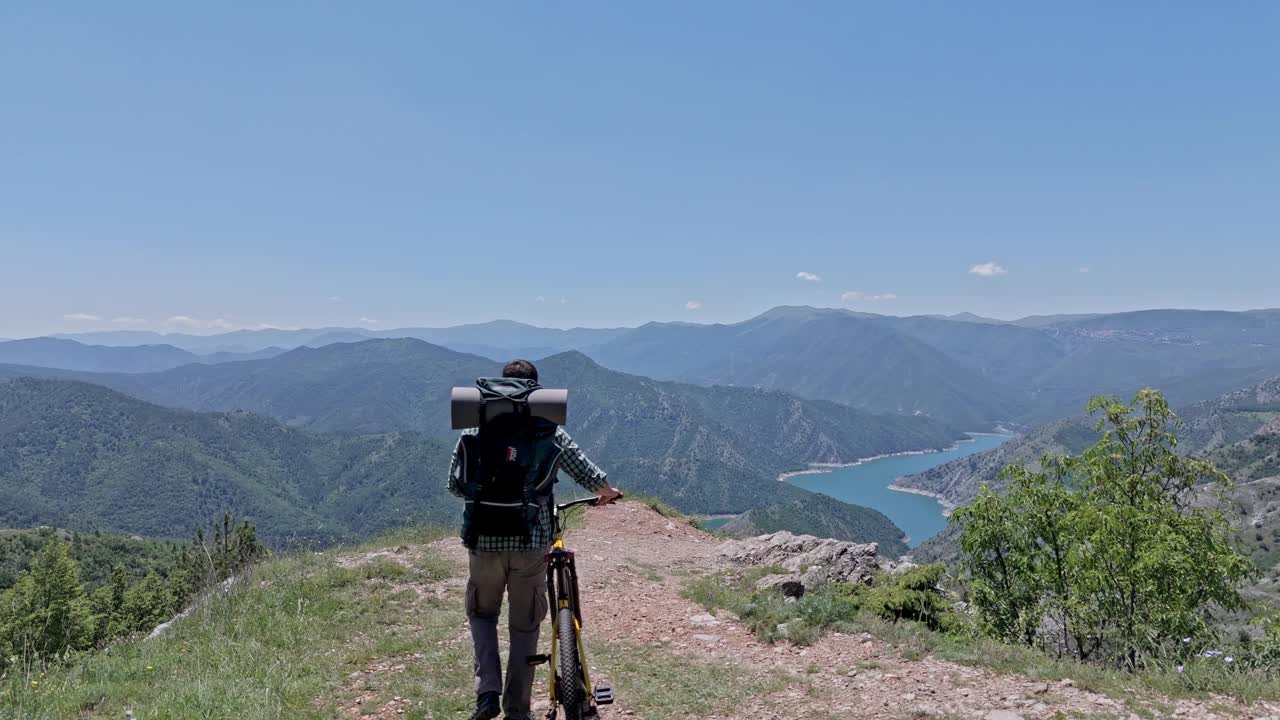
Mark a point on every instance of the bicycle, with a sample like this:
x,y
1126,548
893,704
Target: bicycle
x,y
569,676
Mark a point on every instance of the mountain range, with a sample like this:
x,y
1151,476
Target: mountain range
x,y
71,355
970,372
704,449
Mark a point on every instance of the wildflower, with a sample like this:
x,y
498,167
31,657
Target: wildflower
x,y
1229,659
35,683
1179,668
1186,640
149,668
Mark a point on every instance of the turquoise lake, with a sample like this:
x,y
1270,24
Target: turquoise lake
x,y
867,484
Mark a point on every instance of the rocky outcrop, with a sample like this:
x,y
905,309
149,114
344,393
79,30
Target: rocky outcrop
x,y
808,562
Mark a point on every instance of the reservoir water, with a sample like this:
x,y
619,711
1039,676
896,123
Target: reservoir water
x,y
867,484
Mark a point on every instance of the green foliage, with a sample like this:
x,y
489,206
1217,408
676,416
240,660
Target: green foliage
x,y
1103,555
46,614
97,553
912,595
825,517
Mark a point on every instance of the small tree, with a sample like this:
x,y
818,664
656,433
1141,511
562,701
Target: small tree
x,y
1105,554
48,612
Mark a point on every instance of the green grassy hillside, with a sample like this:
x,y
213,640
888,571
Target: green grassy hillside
x,y
352,632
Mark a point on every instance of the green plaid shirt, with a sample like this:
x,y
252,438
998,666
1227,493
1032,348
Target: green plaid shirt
x,y
572,461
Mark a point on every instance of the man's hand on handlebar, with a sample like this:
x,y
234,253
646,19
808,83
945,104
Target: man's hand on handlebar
x,y
608,495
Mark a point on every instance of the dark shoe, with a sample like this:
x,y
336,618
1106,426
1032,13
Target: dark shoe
x,y
486,707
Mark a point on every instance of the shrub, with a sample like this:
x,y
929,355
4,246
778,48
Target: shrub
x,y
1104,555
912,595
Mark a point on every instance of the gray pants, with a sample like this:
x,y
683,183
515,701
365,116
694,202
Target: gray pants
x,y
523,576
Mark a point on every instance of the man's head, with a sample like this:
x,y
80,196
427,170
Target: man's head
x,y
520,369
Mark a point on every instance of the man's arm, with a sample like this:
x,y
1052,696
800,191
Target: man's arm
x,y
584,472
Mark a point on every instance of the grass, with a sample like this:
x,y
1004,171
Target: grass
x,y
660,685
832,609
299,634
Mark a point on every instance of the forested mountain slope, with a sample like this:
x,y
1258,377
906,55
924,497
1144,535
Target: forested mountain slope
x,y
81,456
703,449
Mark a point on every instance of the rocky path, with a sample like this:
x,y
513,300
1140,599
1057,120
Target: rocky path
x,y
634,564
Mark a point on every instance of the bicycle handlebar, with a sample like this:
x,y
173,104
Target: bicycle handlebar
x,y
584,501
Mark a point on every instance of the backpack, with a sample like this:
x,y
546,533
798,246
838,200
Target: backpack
x,y
509,466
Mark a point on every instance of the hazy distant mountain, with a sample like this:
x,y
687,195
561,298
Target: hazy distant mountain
x,y
963,369
967,317
505,337
236,341
221,357
77,455
830,354
1011,356
1034,321
497,338
69,355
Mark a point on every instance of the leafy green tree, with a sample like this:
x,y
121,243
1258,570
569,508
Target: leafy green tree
x,y
1105,555
48,612
147,604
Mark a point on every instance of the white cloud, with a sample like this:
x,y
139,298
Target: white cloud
x,y
1084,269
564,301
808,276
220,324
540,299
988,269
693,305
335,298
185,321
368,321
81,317
126,320
852,296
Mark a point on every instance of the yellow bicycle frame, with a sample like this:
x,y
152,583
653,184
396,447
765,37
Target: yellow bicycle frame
x,y
555,639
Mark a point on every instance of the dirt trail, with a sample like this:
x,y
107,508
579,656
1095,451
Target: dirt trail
x,y
634,563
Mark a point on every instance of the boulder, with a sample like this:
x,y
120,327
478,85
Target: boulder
x,y
809,561
790,585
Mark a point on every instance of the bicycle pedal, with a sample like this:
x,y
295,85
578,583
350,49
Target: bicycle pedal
x,y
538,659
603,695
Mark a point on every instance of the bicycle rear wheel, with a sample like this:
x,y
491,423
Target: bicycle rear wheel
x,y
571,690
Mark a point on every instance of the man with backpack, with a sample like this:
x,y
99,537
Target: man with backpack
x,y
504,471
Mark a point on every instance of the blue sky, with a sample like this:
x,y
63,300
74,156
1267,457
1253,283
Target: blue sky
x,y
172,166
